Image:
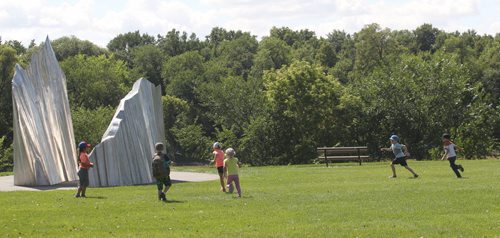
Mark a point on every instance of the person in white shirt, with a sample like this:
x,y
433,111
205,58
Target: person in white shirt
x,y
450,153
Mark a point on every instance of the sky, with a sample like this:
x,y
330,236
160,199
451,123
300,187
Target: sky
x,y
99,21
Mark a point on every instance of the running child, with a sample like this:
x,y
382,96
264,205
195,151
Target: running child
x,y
83,173
450,153
231,169
219,164
161,171
400,152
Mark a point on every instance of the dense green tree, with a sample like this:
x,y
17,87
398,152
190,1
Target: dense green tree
x,y
122,45
129,40
272,53
182,74
405,41
6,155
327,55
218,35
341,90
418,97
8,60
66,47
425,37
290,36
373,46
17,45
303,100
174,43
90,124
232,103
96,81
237,55
175,113
194,144
338,39
147,61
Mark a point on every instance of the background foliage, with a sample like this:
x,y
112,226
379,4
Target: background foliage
x,y
277,99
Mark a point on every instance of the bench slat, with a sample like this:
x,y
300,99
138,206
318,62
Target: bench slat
x,y
329,152
345,157
341,148
343,153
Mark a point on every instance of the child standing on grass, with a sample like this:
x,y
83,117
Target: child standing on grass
x,y
83,173
219,164
450,153
161,171
231,169
400,152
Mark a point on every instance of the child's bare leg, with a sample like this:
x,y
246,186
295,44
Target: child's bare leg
x,y
166,188
79,191
393,170
222,184
411,170
84,189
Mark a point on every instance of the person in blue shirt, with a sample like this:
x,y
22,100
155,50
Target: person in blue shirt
x,y
400,152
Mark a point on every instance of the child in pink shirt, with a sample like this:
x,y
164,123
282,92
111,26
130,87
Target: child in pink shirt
x,y
83,173
219,163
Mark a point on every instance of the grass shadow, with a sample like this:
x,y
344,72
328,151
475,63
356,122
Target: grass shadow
x,y
174,201
95,197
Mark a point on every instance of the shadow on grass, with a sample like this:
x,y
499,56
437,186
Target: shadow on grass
x,y
174,201
95,197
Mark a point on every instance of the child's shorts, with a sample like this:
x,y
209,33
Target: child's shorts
x,y
163,181
83,175
220,169
401,161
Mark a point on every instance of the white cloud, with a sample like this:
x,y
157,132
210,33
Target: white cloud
x,y
99,22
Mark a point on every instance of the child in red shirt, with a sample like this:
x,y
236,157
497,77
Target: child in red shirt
x,y
83,173
219,163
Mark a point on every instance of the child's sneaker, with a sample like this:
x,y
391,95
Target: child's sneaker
x,y
163,197
392,177
461,168
77,195
415,175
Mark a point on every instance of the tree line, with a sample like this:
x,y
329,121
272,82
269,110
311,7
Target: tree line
x,y
277,99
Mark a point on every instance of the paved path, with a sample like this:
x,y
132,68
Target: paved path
x,y
7,182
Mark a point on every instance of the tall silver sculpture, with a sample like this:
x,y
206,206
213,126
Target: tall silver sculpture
x,y
124,155
44,143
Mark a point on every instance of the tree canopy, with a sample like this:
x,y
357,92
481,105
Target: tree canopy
x,y
277,98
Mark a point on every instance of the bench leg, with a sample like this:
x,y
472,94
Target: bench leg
x,y
359,157
326,160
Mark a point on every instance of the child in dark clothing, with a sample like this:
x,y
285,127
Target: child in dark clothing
x,y
450,153
161,172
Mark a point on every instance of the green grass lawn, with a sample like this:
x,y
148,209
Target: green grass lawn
x,y
285,201
6,173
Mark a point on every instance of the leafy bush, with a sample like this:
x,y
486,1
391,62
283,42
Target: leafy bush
x,y
6,155
194,145
90,124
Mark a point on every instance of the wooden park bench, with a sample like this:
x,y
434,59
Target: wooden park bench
x,y
359,153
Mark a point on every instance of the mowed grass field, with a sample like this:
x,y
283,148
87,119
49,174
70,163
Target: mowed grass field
x,y
345,200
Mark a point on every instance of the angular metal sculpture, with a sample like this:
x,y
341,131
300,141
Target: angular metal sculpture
x,y
124,155
44,143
